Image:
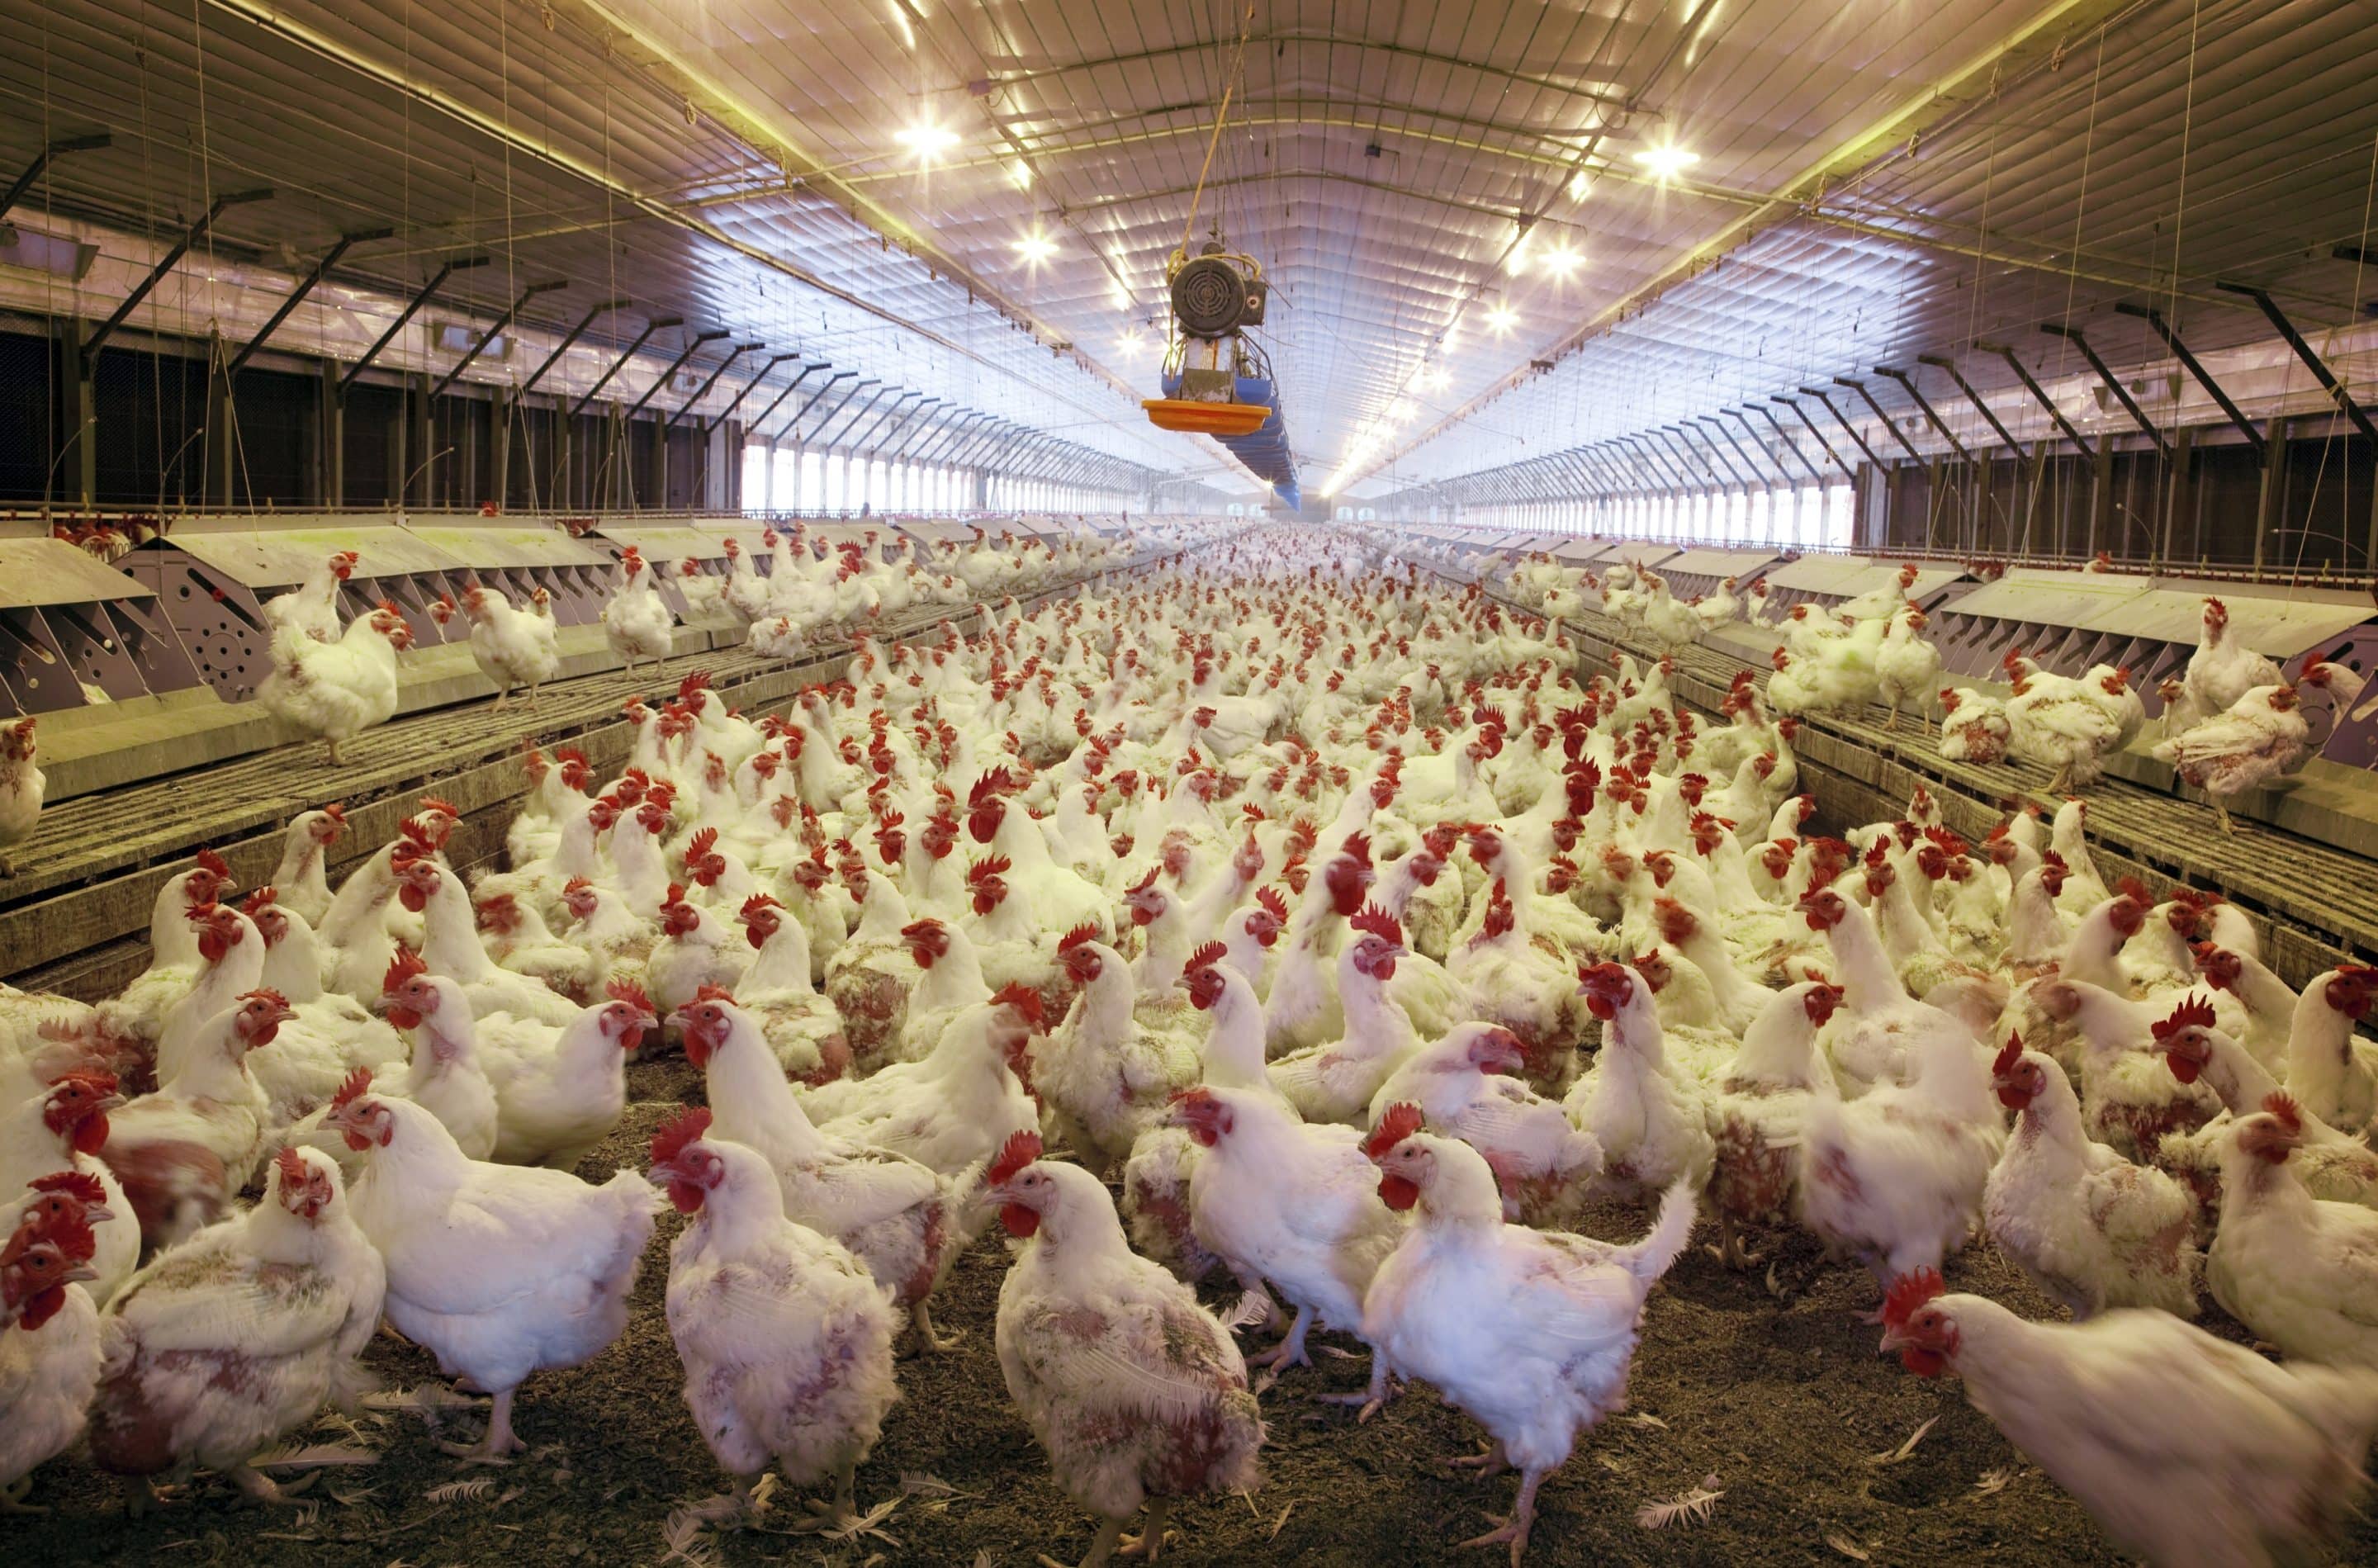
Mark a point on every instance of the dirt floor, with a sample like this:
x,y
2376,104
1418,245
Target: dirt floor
x,y
1776,1401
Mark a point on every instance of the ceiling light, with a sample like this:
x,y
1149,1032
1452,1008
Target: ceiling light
x,y
1438,380
1501,319
1581,184
1561,260
900,19
1515,260
1019,173
1035,247
1666,162
925,139
1419,381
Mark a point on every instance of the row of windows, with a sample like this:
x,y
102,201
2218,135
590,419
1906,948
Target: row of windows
x,y
784,480
1806,517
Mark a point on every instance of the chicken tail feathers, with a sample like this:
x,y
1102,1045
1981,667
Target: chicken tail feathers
x,y
1670,1233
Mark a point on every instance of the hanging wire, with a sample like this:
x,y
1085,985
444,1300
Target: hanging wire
x,y
1230,84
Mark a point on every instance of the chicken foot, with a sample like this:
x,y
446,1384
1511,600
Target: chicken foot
x,y
1379,1392
1289,1352
1490,1461
501,1440
1111,1542
13,1495
920,1317
1514,1530
261,1488
1730,1251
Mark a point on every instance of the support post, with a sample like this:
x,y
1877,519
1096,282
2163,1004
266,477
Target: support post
x,y
2270,503
2038,393
861,440
833,443
792,426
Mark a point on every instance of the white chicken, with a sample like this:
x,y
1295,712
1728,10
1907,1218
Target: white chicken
x,y
498,1270
337,691
636,623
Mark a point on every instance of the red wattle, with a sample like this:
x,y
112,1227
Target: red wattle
x,y
1398,1193
685,1196
90,1134
1019,1221
1922,1363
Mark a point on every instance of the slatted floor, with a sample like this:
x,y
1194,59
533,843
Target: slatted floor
x,y
2318,903
89,874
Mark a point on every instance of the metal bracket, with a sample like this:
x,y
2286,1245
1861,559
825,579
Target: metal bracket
x,y
711,380
2040,394
1907,384
479,345
727,412
658,323
166,264
1781,435
412,304
1817,435
807,371
2162,329
59,148
569,338
1843,421
793,424
2286,330
305,287
1940,363
674,365
2113,383
1888,423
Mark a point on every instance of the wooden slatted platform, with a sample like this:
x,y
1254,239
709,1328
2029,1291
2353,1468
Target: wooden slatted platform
x,y
74,918
2317,906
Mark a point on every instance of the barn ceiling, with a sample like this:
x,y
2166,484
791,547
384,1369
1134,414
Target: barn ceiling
x,y
1492,228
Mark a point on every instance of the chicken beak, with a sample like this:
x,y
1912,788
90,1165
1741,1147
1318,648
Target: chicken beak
x,y
106,1102
80,1271
1892,1340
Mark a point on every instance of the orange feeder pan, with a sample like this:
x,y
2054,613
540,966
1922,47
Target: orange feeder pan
x,y
1206,419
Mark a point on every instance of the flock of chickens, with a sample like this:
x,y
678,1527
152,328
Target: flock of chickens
x,y
2231,721
1343,940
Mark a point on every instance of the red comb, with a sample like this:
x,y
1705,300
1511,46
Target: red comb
x,y
259,900
1020,1150
700,843
1023,998
756,905
1274,901
702,993
431,803
291,1165
1910,1291
402,967
265,993
675,894
2283,1105
1401,1120
209,861
1358,846
990,785
992,866
1378,923
2009,1054
1076,937
357,1085
2193,1012
698,681
74,1183
1206,957
1147,881
2133,890
687,1127
632,993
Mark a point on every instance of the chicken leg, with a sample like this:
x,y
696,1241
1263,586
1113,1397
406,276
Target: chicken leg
x,y
1289,1352
13,1495
1103,1547
1514,1530
2221,810
921,1317
501,1440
